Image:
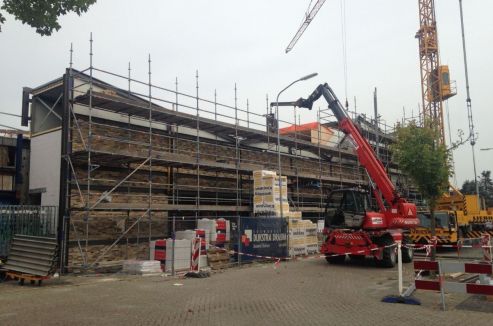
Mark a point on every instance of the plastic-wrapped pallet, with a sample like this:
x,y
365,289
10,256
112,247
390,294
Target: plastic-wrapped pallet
x,y
270,186
311,240
141,267
297,250
210,226
268,195
312,249
182,254
295,215
190,234
272,209
296,231
263,173
310,229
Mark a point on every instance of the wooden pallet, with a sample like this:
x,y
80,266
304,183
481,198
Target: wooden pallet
x,y
26,277
218,258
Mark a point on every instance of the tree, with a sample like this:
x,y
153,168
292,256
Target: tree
x,y
468,187
427,162
485,188
43,14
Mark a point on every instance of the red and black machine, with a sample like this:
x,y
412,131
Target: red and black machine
x,y
351,224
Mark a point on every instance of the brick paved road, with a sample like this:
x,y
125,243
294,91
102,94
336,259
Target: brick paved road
x,y
309,292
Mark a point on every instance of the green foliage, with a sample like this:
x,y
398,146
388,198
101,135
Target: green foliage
x,y
423,159
468,187
485,187
43,14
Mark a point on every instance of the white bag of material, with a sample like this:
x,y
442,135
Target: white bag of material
x,y
182,254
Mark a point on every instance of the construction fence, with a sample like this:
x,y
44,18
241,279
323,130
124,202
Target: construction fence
x,y
26,220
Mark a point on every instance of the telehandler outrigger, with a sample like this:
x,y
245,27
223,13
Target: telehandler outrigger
x,y
351,226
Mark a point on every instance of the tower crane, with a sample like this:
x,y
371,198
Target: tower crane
x,y
435,78
436,87
308,19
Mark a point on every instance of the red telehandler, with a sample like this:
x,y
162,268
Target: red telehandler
x,y
351,225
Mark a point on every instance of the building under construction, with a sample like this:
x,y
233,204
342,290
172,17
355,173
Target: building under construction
x,y
122,162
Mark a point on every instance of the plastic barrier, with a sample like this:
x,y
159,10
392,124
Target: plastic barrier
x,y
195,260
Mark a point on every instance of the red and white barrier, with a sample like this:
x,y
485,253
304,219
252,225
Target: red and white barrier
x,y
487,251
158,251
195,254
444,267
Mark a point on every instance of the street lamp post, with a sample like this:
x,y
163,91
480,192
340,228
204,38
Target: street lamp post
x,y
278,135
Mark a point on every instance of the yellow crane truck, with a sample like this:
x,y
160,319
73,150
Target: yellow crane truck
x,y
457,217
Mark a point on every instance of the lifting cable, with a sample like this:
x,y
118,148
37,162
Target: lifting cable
x,y
344,49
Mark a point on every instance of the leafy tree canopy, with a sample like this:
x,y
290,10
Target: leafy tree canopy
x,y
485,185
43,14
423,159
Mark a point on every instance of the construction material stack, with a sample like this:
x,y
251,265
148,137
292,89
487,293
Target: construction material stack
x,y
31,258
267,194
178,257
141,267
302,236
311,239
204,236
296,238
218,230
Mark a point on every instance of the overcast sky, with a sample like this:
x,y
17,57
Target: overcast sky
x,y
243,42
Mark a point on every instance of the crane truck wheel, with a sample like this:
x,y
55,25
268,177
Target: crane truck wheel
x,y
407,253
389,254
335,259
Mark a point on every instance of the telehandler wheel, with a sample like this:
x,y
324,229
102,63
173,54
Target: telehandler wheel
x,y
335,259
389,254
357,258
407,253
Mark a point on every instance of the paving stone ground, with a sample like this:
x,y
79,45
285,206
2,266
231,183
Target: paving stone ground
x,y
309,292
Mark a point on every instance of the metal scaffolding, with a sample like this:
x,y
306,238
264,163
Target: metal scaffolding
x,y
146,151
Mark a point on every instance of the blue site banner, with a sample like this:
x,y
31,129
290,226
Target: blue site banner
x,y
263,237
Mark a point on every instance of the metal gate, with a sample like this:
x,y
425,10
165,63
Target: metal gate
x,y
26,220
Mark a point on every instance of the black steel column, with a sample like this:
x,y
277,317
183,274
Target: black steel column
x,y
65,176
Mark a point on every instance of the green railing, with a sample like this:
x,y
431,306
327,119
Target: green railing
x,y
27,220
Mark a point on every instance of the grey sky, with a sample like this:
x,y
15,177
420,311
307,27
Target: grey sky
x,y
243,41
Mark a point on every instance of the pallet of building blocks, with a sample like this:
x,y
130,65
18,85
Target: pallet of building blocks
x,y
178,256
